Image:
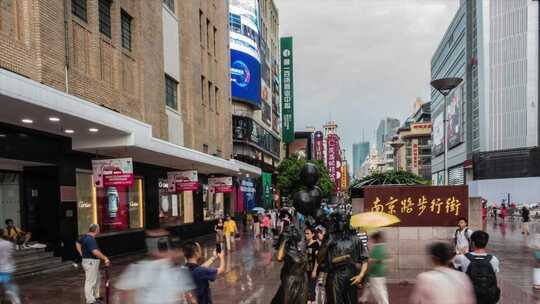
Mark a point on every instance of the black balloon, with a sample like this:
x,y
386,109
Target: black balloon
x,y
310,175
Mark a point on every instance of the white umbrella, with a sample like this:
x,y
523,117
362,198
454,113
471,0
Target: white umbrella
x,y
258,209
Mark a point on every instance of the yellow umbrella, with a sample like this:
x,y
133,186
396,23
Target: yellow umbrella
x,y
371,220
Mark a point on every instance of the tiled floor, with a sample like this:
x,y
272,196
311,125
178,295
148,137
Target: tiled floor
x,y
253,277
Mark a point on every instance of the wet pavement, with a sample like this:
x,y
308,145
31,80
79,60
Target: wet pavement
x,y
252,276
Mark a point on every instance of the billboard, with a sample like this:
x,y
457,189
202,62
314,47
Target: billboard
x,y
221,184
112,172
438,132
287,91
245,57
455,117
179,181
419,206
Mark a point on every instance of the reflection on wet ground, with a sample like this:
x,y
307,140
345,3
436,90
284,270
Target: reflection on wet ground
x,y
253,276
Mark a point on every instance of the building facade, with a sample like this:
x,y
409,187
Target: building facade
x,y
82,81
385,133
360,154
412,144
450,60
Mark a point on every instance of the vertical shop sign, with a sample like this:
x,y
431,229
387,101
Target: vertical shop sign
x,y
112,172
248,189
414,153
267,190
287,89
331,161
318,149
179,181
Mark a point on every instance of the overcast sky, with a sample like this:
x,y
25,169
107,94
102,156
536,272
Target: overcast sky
x,y
357,61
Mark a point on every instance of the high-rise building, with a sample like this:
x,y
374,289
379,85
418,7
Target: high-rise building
x,y
360,154
385,131
493,116
143,85
255,86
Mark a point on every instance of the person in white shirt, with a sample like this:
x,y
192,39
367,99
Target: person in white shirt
x,y
7,268
442,284
462,237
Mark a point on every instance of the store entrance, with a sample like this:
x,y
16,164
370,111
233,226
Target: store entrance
x,y
10,197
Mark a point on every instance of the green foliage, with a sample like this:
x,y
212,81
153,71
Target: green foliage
x,y
390,178
288,180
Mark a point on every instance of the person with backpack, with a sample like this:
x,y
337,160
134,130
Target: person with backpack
x,y
462,237
202,274
88,249
482,269
442,284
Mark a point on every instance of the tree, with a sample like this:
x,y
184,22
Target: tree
x,y
390,178
288,180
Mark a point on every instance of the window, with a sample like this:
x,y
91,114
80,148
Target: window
x,y
175,208
215,35
208,34
202,89
201,26
78,8
216,98
105,17
210,103
169,4
117,208
205,148
126,30
171,92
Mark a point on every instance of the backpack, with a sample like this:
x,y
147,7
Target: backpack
x,y
483,279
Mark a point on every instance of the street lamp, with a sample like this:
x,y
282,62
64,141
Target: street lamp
x,y
445,86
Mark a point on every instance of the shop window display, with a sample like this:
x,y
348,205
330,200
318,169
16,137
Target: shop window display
x,y
213,204
115,209
175,208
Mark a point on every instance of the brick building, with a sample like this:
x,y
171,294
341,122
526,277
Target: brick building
x,y
100,79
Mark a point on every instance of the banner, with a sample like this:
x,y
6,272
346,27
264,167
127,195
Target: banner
x,y
333,159
112,172
287,89
247,187
221,184
267,190
419,206
455,117
318,146
344,176
179,181
414,148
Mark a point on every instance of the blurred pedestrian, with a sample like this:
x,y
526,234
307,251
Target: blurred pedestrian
x,y
218,228
376,273
229,230
244,221
256,226
525,216
312,251
157,280
203,274
7,268
266,226
88,249
482,269
249,218
504,212
462,237
442,284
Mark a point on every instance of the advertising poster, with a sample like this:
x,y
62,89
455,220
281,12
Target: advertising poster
x,y
179,181
455,117
112,172
267,190
438,132
247,187
245,58
419,206
318,146
287,91
265,104
221,184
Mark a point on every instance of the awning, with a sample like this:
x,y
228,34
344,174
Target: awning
x,y
117,136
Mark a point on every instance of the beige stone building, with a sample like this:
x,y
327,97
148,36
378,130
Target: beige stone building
x,y
147,81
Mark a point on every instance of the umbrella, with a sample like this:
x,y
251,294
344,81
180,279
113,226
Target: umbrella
x,y
258,209
370,220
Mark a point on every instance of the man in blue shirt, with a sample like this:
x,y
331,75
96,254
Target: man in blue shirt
x,y
91,256
203,274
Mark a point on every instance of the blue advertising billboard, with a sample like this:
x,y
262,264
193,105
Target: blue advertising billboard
x,y
245,78
245,52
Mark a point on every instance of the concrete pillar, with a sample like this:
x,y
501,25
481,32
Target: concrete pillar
x,y
475,213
